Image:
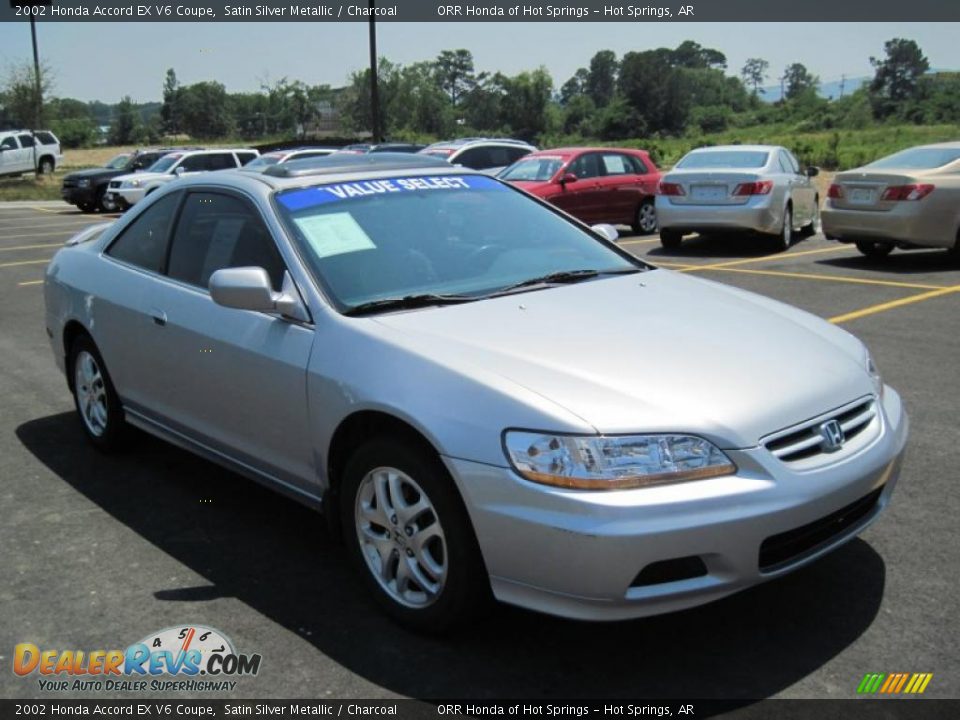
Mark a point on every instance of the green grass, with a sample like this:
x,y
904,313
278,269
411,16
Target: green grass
x,y
831,149
28,187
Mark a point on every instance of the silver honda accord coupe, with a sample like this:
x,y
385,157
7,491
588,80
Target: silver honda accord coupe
x,y
486,398
751,188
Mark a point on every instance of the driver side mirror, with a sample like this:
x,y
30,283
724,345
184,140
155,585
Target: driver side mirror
x,y
568,178
812,171
607,231
179,171
248,288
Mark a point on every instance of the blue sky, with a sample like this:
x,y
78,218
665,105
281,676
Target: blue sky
x,y
104,61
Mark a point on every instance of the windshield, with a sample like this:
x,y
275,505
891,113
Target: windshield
x,y
918,159
263,161
535,169
724,159
163,164
119,162
446,235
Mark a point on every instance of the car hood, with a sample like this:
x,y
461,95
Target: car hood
x,y
652,352
536,187
93,173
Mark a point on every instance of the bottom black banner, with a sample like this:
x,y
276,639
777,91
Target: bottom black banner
x,y
892,709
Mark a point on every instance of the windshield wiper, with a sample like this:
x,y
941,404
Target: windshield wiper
x,y
563,277
408,302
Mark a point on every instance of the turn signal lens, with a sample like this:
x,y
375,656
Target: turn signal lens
x,y
835,191
907,192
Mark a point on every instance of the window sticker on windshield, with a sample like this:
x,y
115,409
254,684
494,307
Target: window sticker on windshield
x,y
310,197
334,234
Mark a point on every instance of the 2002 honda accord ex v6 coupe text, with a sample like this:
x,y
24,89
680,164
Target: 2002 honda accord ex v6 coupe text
x,y
486,397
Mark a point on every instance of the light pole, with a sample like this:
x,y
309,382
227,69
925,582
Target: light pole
x,y
374,88
38,105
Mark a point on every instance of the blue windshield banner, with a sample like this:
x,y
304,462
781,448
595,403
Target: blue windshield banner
x,y
321,194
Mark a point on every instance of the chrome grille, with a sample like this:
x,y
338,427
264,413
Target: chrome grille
x,y
808,441
114,183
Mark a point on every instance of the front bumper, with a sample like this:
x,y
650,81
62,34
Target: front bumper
x,y
908,223
126,196
579,554
756,215
79,195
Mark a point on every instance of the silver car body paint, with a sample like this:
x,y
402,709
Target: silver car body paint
x,y
649,352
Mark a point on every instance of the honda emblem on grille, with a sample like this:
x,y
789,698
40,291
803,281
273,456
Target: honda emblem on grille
x,y
832,435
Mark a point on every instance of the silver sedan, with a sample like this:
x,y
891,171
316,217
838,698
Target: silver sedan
x,y
486,397
754,188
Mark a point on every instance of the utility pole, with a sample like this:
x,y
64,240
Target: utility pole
x,y
374,88
38,105
843,82
783,96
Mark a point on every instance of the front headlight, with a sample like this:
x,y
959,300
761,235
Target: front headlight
x,y
132,183
613,462
83,183
874,374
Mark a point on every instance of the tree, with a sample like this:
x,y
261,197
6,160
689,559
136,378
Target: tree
x,y
657,91
204,111
897,75
20,95
124,129
575,86
754,72
455,74
170,111
799,81
524,100
602,77
694,56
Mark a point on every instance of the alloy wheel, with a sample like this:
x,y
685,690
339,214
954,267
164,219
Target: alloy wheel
x,y
91,393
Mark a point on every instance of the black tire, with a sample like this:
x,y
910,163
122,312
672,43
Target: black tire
x,y
670,239
464,588
46,166
87,207
873,249
112,435
645,219
107,206
785,236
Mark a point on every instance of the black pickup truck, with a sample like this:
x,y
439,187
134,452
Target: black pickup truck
x,y
86,188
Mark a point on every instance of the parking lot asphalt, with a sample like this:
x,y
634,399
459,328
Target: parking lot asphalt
x,y
100,551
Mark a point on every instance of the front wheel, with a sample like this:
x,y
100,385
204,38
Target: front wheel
x,y
94,396
105,202
645,222
409,536
873,249
670,239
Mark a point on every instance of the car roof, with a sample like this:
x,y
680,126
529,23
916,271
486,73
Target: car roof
x,y
568,151
718,148
463,142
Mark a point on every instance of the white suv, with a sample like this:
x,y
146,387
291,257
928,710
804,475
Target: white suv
x,y
127,190
24,151
488,155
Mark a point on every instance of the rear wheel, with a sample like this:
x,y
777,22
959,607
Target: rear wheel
x,y
45,166
94,396
785,238
670,239
645,222
409,536
873,249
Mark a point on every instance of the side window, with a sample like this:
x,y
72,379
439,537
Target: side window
x,y
788,164
616,164
221,161
515,154
499,156
9,143
46,138
639,167
144,242
195,163
219,231
245,157
475,158
25,140
586,166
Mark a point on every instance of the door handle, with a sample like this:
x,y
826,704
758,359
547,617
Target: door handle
x,y
159,317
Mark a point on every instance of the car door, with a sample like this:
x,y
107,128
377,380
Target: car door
x,y
802,190
618,189
233,380
582,198
9,155
27,152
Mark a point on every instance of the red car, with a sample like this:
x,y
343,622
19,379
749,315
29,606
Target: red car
x,y
595,185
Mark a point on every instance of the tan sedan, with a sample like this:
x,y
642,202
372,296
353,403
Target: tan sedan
x,y
908,200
